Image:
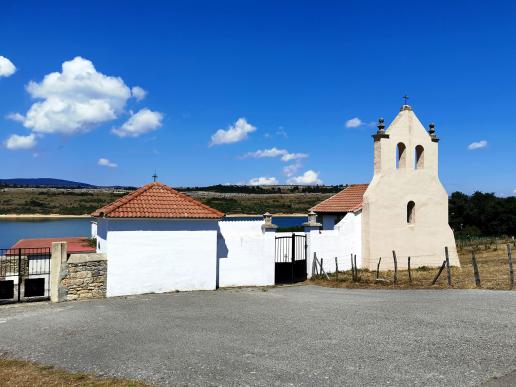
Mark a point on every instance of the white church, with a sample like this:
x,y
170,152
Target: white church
x,y
157,239
403,209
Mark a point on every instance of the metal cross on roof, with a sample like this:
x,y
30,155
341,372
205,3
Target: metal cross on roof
x,y
405,97
154,177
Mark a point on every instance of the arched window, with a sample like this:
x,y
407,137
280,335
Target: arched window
x,y
411,212
401,156
419,162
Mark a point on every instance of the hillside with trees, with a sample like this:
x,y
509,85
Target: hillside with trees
x,y
482,214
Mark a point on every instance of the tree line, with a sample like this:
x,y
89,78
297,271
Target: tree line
x,y
482,214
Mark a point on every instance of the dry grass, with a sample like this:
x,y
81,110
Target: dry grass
x,y
24,373
492,262
85,201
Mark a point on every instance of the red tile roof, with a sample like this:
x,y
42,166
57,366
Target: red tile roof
x,y
75,244
347,200
156,200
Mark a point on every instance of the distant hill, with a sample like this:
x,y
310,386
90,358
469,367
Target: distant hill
x,y
44,182
219,188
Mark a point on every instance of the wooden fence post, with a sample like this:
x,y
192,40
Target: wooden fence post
x,y
322,265
475,269
336,269
356,268
352,268
409,272
448,265
395,267
439,272
314,265
378,268
511,271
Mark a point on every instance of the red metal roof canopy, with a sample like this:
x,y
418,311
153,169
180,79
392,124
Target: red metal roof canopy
x,y
75,244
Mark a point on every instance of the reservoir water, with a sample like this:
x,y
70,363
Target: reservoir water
x,y
12,230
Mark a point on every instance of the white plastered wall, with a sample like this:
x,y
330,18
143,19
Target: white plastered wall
x,y
156,256
245,254
384,222
341,242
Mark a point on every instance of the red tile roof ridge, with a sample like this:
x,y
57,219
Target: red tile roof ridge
x,y
117,204
348,200
192,200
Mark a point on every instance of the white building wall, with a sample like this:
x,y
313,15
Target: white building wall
x,y
245,254
341,242
385,226
157,256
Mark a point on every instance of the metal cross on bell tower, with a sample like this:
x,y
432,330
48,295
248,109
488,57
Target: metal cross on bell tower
x,y
154,177
405,98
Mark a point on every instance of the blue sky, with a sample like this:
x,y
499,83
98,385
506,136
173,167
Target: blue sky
x,y
285,75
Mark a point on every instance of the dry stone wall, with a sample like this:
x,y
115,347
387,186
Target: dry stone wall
x,y
85,277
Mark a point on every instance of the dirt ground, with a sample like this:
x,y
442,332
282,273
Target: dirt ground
x,y
492,261
25,373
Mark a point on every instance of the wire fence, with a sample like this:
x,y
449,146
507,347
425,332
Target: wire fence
x,y
480,267
483,242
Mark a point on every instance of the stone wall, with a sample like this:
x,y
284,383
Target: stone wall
x,y
84,277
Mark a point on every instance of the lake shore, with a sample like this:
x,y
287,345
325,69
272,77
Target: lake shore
x,y
42,216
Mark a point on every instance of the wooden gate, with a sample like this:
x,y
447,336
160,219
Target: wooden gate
x,y
290,261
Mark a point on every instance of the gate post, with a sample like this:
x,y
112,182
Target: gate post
x,y
293,255
57,269
269,247
311,230
20,274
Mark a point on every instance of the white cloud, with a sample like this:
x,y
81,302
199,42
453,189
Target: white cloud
x,y
74,99
308,178
275,152
15,117
272,152
106,163
291,169
354,123
138,93
142,122
7,68
235,133
477,145
514,191
294,156
15,142
263,181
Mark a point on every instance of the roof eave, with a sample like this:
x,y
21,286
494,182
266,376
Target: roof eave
x,y
163,217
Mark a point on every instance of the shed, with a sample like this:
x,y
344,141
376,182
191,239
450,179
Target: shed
x,y
156,240
332,210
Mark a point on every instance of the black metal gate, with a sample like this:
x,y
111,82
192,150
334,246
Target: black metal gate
x,y
24,274
290,262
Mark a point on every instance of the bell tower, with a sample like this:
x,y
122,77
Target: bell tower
x,y
405,207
